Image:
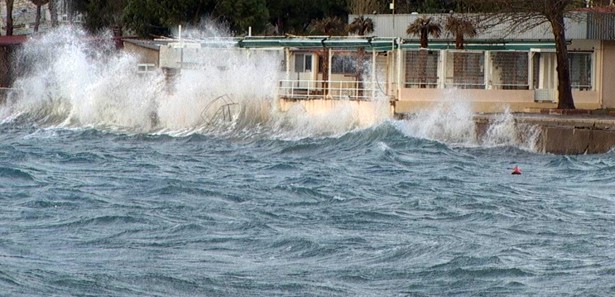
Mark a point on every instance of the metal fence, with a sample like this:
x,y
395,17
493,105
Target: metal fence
x,y
421,69
509,70
320,89
465,70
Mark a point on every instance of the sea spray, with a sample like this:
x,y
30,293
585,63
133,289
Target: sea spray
x,y
503,130
452,121
72,79
449,121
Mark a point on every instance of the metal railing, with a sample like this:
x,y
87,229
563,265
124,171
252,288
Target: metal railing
x,y
225,109
504,86
321,89
450,84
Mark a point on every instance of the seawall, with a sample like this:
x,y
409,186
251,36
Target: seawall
x,y
564,134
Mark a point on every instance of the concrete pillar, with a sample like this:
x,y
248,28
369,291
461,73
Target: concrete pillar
x,y
442,69
487,73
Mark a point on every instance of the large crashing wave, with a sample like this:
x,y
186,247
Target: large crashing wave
x,y
68,78
453,122
71,79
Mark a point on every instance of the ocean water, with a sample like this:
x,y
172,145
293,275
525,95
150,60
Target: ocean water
x,y
112,186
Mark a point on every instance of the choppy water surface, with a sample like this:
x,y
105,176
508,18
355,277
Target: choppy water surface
x,y
99,199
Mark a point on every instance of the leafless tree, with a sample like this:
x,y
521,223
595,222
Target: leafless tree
x,y
523,15
53,11
362,7
39,4
9,17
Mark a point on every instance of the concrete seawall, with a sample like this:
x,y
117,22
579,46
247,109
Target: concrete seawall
x,y
564,134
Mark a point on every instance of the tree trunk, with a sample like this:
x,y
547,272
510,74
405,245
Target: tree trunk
x,y
565,100
53,12
424,40
459,41
324,66
360,62
37,21
9,17
423,68
117,36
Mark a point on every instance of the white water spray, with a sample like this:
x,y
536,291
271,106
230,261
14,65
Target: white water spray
x,y
71,79
449,121
452,121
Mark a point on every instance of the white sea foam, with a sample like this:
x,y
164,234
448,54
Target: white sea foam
x,y
449,120
71,79
452,121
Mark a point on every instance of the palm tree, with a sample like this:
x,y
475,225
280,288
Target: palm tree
x,y
460,28
361,26
328,26
38,4
424,27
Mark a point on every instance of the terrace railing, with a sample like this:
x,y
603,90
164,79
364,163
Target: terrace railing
x,y
334,90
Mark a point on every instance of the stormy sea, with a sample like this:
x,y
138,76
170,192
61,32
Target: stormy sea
x,y
113,185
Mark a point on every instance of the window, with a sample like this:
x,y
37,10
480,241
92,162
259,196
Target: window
x,y
343,65
581,71
303,62
465,70
510,70
422,69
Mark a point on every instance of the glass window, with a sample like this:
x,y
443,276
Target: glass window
x,y
303,62
343,65
581,71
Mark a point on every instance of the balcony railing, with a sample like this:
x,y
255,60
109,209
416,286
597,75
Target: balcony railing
x,y
334,90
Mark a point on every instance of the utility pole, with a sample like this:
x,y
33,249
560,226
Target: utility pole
x,y
392,7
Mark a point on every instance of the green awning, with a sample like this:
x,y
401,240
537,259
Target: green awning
x,y
518,46
320,42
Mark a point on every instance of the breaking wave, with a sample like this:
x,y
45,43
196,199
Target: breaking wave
x,y
69,79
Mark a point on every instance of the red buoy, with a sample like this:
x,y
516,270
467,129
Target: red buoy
x,y
516,170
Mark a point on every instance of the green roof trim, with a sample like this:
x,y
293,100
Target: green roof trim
x,y
518,46
320,42
368,43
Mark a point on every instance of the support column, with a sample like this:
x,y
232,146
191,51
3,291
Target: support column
x,y
330,57
374,56
487,71
530,70
442,69
399,69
